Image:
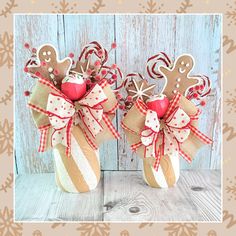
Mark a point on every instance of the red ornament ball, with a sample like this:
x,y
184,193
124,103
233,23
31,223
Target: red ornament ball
x,y
26,45
27,93
203,103
195,95
114,76
43,63
71,55
114,66
129,99
37,73
104,72
73,86
159,104
97,63
118,96
113,45
100,53
34,50
56,72
97,77
26,69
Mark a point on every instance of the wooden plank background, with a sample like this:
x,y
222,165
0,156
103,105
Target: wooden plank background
x,y
138,37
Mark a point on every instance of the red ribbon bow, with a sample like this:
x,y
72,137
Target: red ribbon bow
x,y
176,127
63,113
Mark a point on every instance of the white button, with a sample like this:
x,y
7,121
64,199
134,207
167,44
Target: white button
x,y
178,80
177,85
50,69
52,76
174,91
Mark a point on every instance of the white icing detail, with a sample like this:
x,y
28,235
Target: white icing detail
x,y
52,76
49,53
182,62
74,80
156,97
178,80
50,69
48,60
44,53
181,70
187,65
177,85
174,91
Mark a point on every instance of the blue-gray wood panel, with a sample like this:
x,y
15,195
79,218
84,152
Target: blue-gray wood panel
x,y
138,37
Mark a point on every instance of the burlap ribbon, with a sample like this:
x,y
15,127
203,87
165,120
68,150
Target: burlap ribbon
x,y
54,115
176,132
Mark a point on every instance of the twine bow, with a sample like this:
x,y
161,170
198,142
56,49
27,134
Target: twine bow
x,y
164,137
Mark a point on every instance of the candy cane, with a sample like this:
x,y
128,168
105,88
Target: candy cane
x,y
156,60
94,48
202,89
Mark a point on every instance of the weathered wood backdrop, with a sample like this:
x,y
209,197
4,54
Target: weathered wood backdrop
x,y
138,37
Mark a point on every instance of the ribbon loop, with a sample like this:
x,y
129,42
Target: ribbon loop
x,y
176,126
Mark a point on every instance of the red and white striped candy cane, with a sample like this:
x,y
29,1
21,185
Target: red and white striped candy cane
x,y
94,48
154,62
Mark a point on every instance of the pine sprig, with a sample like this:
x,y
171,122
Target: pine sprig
x,y
7,96
96,6
7,183
184,6
8,8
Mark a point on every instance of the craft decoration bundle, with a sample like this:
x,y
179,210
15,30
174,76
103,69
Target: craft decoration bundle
x,y
161,127
73,106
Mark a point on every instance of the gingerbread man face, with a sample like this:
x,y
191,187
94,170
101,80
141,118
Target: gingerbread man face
x,y
184,64
177,78
47,54
50,67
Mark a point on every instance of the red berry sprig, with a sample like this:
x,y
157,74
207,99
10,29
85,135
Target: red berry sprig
x,y
124,103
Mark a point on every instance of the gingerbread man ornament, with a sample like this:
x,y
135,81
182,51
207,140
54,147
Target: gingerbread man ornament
x,y
177,77
50,68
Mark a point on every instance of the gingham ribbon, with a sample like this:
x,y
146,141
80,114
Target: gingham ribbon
x,y
176,127
63,113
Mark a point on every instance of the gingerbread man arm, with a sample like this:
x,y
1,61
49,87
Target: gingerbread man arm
x,y
165,71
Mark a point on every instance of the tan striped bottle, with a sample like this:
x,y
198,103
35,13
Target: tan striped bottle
x,y
81,171
167,174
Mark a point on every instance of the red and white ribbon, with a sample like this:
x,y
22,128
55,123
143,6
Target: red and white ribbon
x,y
63,113
176,127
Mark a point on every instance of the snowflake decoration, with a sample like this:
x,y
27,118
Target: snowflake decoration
x,y
231,189
6,50
7,225
94,229
151,6
231,101
64,7
140,90
6,137
182,229
231,14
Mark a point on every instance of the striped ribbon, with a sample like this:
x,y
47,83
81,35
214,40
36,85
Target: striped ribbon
x,y
159,137
87,111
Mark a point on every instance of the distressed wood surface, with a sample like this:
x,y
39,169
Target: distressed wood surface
x,y
37,198
138,37
121,196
